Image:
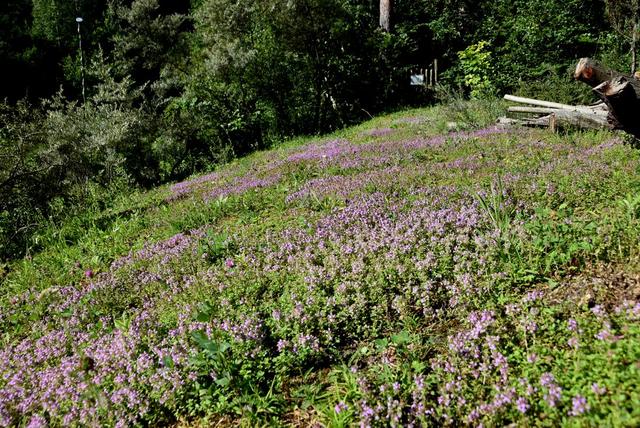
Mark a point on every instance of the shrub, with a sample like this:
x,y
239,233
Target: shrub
x,y
475,62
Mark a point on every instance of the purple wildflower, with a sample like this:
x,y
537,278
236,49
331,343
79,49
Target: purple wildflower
x,y
547,379
419,381
597,389
598,311
553,396
282,344
37,421
573,342
532,296
522,405
340,407
579,405
530,326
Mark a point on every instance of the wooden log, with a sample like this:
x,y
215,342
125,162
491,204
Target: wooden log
x,y
535,110
553,123
560,119
549,104
531,122
581,120
620,93
624,106
508,122
593,74
534,102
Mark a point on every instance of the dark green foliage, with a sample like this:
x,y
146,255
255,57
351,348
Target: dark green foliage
x,y
624,16
283,68
147,39
21,169
69,157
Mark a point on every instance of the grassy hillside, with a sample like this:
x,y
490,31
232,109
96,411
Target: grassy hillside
x,y
394,274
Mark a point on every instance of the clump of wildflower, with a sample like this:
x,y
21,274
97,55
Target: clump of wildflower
x,y
597,389
340,407
554,392
37,421
579,405
282,345
547,379
522,405
573,342
532,296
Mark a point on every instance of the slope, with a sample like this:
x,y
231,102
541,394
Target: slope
x,y
392,274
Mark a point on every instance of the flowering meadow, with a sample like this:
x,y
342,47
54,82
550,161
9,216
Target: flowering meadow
x,y
390,274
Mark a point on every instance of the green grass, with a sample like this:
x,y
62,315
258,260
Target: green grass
x,y
390,273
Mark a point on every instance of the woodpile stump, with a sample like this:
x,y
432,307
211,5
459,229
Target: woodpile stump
x,y
620,93
555,115
619,107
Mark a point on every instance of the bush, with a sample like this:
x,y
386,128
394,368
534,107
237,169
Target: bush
x,y
62,152
22,191
475,62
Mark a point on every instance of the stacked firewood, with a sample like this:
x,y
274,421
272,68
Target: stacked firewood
x,y
619,107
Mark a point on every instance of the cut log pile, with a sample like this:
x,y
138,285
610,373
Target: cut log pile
x,y
619,107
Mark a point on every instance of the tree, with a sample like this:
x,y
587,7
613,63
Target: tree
x,y
386,7
293,65
148,38
624,16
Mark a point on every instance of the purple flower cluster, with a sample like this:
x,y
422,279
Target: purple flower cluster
x,y
270,169
109,352
184,188
579,405
92,368
554,392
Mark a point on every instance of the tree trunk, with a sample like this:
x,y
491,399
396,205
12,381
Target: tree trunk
x,y
621,94
593,73
623,103
385,14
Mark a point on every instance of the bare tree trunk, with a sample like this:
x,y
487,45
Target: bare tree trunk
x,y
385,14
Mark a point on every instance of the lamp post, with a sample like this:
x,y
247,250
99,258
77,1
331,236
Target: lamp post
x,y
78,21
